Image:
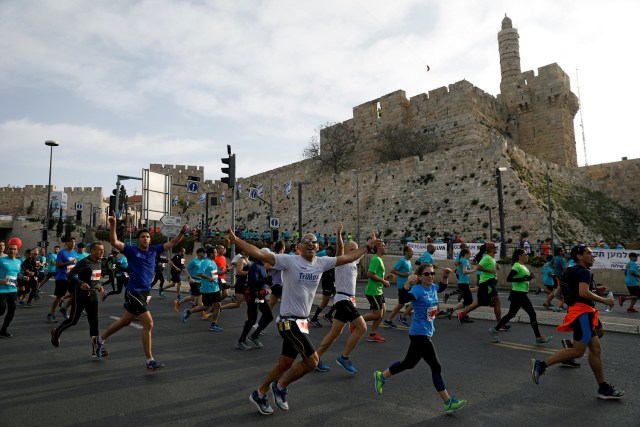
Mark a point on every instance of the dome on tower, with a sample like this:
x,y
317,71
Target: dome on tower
x,y
506,22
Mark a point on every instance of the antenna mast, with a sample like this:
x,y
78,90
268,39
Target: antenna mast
x,y
584,142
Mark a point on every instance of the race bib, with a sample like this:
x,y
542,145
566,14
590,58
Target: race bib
x,y
70,267
125,274
432,312
96,275
182,261
12,280
303,325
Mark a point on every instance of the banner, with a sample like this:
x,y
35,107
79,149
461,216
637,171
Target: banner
x,y
610,259
420,248
287,188
474,248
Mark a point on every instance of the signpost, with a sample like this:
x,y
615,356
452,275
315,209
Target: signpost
x,y
274,222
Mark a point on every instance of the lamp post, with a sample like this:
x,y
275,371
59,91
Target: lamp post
x,y
549,210
490,224
355,172
503,244
45,227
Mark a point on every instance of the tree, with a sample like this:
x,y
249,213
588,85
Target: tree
x,y
398,143
333,147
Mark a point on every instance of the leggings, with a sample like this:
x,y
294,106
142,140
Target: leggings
x,y
421,347
158,277
8,303
82,300
121,281
520,300
252,316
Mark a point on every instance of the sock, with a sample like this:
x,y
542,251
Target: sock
x,y
150,360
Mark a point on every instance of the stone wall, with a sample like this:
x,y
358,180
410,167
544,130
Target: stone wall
x,y
617,178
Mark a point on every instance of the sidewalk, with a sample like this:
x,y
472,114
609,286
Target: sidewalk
x,y
625,325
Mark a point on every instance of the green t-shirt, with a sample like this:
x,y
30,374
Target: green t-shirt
x,y
376,266
521,271
487,262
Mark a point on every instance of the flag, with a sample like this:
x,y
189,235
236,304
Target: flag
x,y
287,188
222,197
175,200
239,188
202,198
260,190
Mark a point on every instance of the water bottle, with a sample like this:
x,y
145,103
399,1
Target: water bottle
x,y
609,296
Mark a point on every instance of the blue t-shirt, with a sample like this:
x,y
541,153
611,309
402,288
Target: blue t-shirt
x,y
557,263
64,256
194,269
9,269
209,268
121,266
425,308
81,256
403,266
464,278
547,274
141,266
630,280
51,262
425,258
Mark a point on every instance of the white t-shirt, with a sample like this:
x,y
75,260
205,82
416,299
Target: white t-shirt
x,y
300,280
346,276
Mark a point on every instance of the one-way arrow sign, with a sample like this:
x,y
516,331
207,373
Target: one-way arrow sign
x,y
171,220
170,230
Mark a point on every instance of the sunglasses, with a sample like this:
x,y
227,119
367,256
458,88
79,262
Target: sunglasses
x,y
307,240
427,274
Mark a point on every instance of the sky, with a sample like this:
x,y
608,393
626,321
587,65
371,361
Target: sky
x,y
121,84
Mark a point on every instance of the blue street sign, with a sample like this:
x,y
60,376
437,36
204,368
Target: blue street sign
x,y
193,186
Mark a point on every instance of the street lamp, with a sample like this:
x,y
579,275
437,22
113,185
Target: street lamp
x,y
503,244
45,226
549,209
355,171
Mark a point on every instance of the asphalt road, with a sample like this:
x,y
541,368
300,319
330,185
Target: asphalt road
x,y
207,381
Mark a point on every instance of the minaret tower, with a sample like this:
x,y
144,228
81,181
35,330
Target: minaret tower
x,y
509,53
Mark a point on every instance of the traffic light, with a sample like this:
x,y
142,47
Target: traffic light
x,y
112,203
230,179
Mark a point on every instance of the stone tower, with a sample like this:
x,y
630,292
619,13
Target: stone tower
x,y
541,108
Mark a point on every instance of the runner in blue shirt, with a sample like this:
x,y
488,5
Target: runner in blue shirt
x,y
141,271
424,297
402,271
631,275
10,267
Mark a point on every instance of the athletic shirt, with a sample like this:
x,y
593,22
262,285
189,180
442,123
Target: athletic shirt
x,y
521,271
578,275
141,266
209,268
488,262
463,278
9,269
346,276
425,308
86,271
194,268
161,262
121,266
403,266
178,261
557,263
51,262
547,279
81,256
425,258
242,280
629,279
300,280
257,277
64,256
376,266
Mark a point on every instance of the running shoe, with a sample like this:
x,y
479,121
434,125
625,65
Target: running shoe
x,y
543,340
453,404
262,403
446,297
346,364
152,365
547,306
467,319
315,323
631,310
185,315
280,396
51,318
5,334
322,367
161,295
536,370
375,338
205,315
97,345
215,328
450,313
64,313
538,291
176,305
389,323
555,309
55,338
442,314
103,353
255,341
404,322
504,328
494,333
328,319
621,300
609,392
460,318
242,345
104,297
178,297
378,381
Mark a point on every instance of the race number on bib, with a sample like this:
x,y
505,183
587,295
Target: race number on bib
x,y
96,275
303,325
432,312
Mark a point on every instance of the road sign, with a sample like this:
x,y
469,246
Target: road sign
x,y
193,186
170,230
171,220
274,223
253,193
79,206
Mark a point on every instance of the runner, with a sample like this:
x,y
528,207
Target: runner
x,y
193,273
208,289
424,297
177,266
10,266
65,261
402,271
